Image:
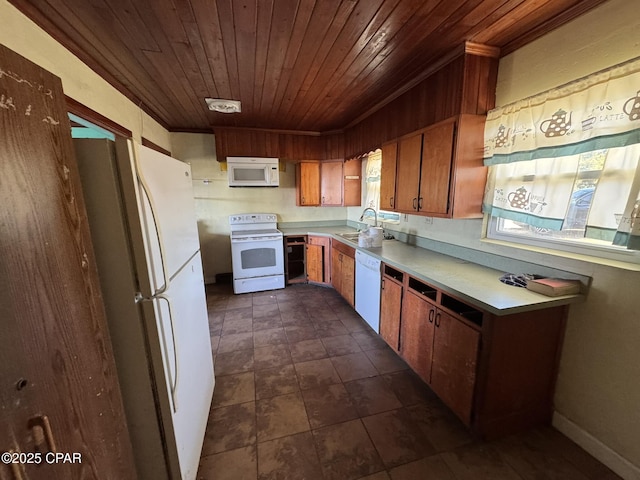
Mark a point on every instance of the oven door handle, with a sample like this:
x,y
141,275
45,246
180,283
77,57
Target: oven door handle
x,y
255,239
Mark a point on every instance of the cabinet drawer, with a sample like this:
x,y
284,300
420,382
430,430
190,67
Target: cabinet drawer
x,y
318,241
391,272
461,309
422,289
343,248
295,239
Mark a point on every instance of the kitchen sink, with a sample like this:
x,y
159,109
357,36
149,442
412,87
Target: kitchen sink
x,y
352,236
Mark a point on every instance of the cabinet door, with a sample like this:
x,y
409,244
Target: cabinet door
x,y
408,173
390,307
435,177
352,183
331,183
336,270
58,382
349,279
416,334
453,369
388,176
318,259
315,264
308,183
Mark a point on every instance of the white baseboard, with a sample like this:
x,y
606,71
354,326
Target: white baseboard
x,y
595,447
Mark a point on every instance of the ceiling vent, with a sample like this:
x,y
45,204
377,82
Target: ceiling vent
x,y
223,106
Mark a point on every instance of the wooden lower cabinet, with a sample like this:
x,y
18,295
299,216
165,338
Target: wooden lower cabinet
x,y
417,332
318,259
454,363
343,269
496,373
390,308
294,259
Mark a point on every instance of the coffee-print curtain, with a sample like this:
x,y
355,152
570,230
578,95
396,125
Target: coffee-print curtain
x,y
539,149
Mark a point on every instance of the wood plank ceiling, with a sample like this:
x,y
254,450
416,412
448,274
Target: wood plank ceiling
x,y
304,65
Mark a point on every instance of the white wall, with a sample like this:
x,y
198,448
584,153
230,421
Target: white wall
x,y
215,201
598,391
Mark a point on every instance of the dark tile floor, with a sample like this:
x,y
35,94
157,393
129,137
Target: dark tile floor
x,y
305,390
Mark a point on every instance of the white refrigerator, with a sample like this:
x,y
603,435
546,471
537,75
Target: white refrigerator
x,y
143,225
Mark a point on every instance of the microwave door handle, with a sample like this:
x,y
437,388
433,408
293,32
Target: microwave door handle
x,y
146,190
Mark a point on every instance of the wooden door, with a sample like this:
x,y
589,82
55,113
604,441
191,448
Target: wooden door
x,y
453,369
349,279
331,183
308,183
435,176
388,176
390,308
416,334
59,389
408,173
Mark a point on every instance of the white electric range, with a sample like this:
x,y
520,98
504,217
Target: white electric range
x,y
257,252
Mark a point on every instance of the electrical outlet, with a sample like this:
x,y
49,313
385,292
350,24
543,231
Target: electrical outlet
x,y
429,220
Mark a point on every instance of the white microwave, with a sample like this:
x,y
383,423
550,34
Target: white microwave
x,y
253,172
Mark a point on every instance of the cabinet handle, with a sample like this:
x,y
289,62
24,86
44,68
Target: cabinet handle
x,y
42,433
302,200
438,320
415,203
16,468
382,285
391,202
323,202
431,314
420,203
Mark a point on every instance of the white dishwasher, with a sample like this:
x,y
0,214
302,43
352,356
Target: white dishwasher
x,y
368,277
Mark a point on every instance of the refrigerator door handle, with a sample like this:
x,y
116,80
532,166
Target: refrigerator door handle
x,y
174,380
152,206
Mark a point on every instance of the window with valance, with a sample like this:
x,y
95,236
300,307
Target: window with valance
x,y
564,165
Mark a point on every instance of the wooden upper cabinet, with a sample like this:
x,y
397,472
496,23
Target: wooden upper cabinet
x,y
352,183
388,176
308,183
469,175
435,173
439,169
408,173
331,183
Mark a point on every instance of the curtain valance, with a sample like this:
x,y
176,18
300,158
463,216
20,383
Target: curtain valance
x,y
597,112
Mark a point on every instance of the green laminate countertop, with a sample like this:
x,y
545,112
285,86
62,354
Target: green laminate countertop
x,y
475,284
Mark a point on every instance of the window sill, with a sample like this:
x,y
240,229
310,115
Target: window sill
x,y
635,267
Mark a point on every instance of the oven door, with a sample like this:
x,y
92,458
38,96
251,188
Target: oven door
x,y
257,256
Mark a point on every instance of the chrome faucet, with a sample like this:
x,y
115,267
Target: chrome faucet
x,y
375,215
